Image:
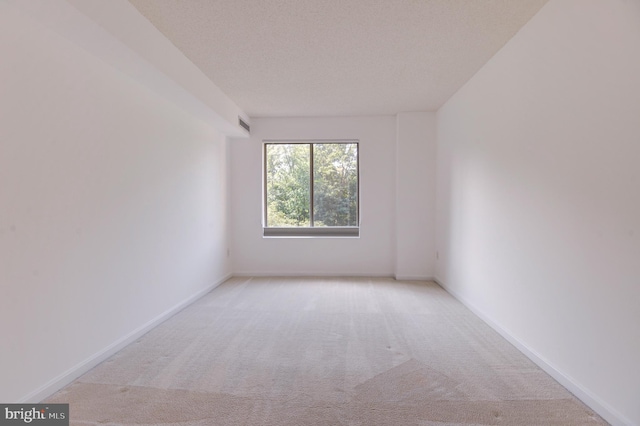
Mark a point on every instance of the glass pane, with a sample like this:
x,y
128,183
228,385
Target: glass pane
x,y
335,184
288,197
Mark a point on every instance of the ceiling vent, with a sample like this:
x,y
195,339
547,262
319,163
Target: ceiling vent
x,y
244,125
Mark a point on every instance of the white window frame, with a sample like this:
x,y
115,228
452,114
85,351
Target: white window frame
x,y
308,231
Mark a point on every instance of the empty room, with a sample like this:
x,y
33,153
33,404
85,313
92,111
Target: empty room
x,y
305,212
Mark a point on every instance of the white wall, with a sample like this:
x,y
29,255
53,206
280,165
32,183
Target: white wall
x,y
538,222
112,208
122,38
415,195
371,254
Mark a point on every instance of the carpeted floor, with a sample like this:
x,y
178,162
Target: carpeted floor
x,y
322,351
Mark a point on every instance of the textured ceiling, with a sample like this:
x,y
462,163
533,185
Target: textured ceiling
x,y
338,57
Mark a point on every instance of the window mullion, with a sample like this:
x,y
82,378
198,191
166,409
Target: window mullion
x,y
311,185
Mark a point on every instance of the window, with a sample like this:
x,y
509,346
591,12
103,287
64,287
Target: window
x,y
311,189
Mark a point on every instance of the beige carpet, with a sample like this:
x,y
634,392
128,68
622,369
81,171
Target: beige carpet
x,y
323,351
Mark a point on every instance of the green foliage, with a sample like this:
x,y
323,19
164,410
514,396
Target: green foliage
x,y
335,192
288,185
335,184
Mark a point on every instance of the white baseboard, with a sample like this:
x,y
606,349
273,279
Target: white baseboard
x,y
414,278
311,274
596,404
334,275
73,373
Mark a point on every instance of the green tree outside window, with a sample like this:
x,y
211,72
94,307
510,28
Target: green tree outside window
x,y
311,184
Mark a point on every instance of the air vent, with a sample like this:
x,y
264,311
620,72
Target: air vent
x,y
244,125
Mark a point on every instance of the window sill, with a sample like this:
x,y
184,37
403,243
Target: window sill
x,y
316,232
